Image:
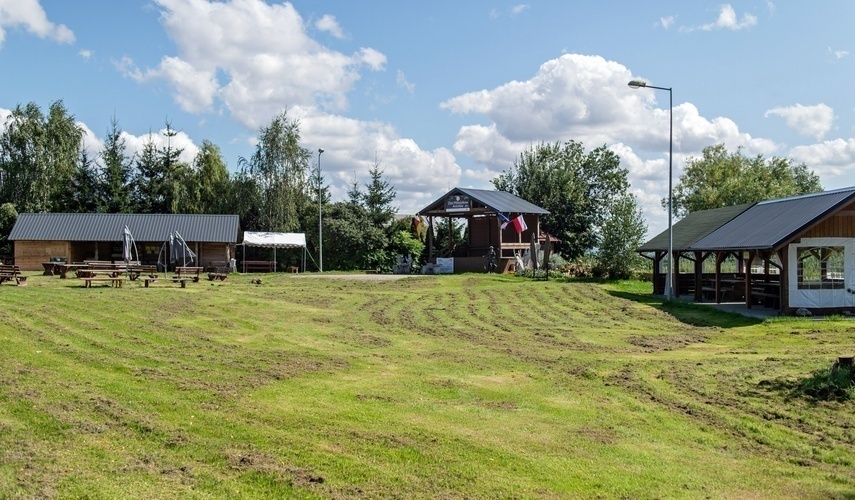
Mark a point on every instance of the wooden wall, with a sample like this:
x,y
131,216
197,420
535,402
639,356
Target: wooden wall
x,y
213,252
29,255
840,225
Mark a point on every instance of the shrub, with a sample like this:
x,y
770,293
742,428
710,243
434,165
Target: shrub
x,y
835,383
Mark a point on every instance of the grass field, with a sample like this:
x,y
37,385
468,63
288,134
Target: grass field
x,y
477,386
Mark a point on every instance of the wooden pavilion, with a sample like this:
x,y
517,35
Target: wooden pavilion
x,y
481,209
787,254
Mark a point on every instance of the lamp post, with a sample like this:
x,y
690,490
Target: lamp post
x,y
320,219
669,279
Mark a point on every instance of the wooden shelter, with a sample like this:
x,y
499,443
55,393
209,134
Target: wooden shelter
x,y
481,209
38,238
789,253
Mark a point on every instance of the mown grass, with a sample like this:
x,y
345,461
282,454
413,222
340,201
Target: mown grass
x,y
453,386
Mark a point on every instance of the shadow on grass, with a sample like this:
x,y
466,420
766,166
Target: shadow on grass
x,y
691,314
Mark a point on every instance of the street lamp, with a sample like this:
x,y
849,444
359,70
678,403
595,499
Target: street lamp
x,y
320,219
669,279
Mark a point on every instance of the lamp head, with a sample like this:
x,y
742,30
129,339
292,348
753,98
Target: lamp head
x,y
637,84
320,150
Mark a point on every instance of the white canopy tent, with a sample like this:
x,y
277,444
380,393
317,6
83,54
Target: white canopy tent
x,y
275,240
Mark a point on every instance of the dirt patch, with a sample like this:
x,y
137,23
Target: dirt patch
x,y
254,461
655,343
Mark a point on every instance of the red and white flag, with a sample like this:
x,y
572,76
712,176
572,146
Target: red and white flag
x,y
519,224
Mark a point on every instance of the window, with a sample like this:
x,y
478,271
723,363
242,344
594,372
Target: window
x,y
820,268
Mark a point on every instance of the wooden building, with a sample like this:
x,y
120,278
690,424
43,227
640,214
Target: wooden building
x,y
481,208
789,253
76,237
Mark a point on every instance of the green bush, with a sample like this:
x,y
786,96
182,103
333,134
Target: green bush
x,y
835,383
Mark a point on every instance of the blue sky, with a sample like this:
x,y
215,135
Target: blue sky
x,y
448,93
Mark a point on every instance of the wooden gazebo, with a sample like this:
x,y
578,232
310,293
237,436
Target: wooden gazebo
x,y
483,210
789,253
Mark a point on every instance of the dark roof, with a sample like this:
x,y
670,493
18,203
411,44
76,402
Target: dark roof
x,y
495,201
693,227
108,227
770,224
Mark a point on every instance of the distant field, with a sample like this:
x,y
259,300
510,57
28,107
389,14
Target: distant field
x,y
452,386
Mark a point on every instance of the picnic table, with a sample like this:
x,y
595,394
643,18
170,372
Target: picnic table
x,y
184,274
259,265
50,268
11,272
64,267
111,276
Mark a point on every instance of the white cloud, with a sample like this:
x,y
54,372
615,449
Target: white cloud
x,y
374,59
135,143
253,58
402,81
838,54
29,15
329,24
813,121
351,146
828,158
519,9
86,54
586,98
666,22
727,19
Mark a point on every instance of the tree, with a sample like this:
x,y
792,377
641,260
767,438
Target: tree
x,y
207,188
84,187
145,196
38,158
280,168
351,241
114,189
621,233
378,198
577,188
162,180
721,179
8,217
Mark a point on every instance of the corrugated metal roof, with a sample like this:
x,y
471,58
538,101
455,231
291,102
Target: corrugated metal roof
x,y
108,227
769,224
494,200
693,227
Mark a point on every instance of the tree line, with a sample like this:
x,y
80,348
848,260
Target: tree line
x,y
45,168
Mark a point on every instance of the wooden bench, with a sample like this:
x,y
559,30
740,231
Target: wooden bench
x,y
114,281
136,271
218,276
184,274
259,265
10,272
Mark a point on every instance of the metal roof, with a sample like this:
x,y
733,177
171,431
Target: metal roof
x,y
108,227
498,201
693,227
770,224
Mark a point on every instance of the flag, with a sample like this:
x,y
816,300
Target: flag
x,y
519,224
504,219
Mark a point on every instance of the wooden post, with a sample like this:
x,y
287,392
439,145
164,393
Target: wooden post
x,y
430,238
699,264
751,254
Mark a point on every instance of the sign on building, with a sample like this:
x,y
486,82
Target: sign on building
x,y
457,203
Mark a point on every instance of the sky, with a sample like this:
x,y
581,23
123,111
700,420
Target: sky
x,y
445,93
